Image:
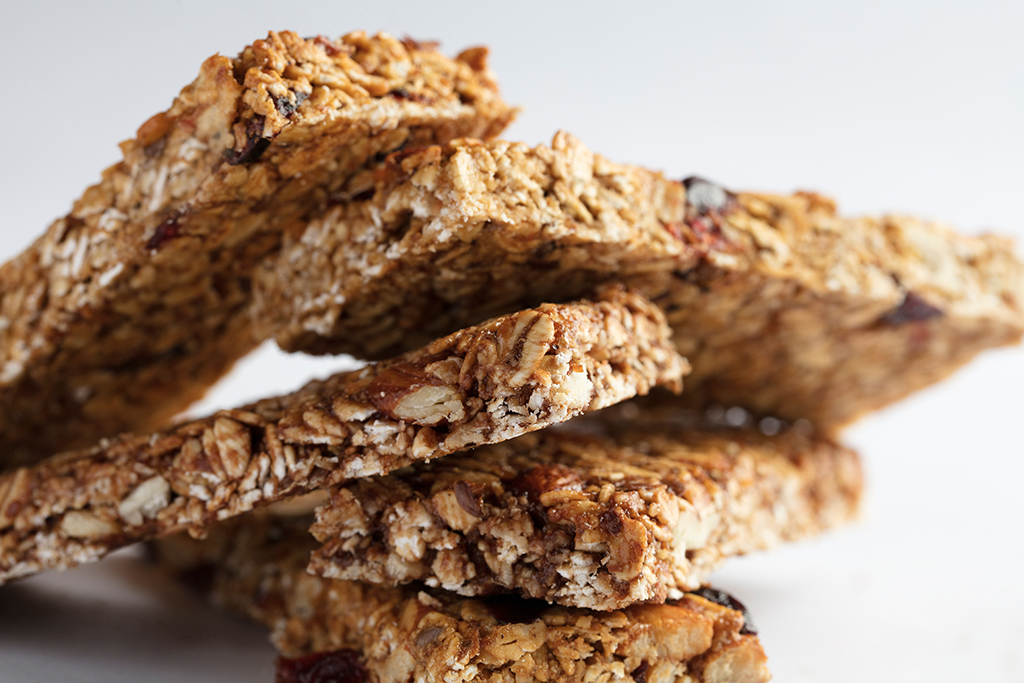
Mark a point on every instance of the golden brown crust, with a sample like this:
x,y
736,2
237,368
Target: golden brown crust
x,y
595,521
406,634
781,305
129,307
507,377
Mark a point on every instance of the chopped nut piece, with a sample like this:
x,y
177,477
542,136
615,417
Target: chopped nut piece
x,y
191,474
602,520
148,498
128,308
407,634
781,306
78,524
430,405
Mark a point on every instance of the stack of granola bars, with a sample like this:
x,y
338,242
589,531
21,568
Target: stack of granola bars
x,y
351,196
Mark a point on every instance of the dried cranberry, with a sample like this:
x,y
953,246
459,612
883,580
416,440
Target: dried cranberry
x,y
912,309
720,597
339,666
164,233
706,203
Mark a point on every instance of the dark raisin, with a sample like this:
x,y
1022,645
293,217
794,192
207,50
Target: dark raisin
x,y
720,597
912,309
364,195
164,233
403,94
254,147
285,107
339,666
640,673
512,609
704,196
467,498
611,523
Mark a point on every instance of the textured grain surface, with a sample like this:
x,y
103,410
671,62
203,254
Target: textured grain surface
x,y
406,634
596,521
781,305
131,305
482,385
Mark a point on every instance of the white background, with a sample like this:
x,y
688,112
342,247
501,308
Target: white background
x,y
913,107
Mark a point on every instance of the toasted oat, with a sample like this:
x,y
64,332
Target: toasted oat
x,y
781,305
482,385
406,634
596,521
129,307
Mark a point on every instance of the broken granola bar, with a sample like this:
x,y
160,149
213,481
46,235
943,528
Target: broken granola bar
x,y
129,307
596,521
404,634
510,376
781,305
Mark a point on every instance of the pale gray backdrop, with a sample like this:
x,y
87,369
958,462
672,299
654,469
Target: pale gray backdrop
x,y
911,107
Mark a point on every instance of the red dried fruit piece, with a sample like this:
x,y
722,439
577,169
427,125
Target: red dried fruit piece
x,y
703,196
338,666
164,233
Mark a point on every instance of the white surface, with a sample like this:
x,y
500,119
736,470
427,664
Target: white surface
x,y
911,107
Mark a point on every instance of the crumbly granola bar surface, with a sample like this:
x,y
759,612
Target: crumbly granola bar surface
x,y
406,634
780,304
131,305
507,377
596,521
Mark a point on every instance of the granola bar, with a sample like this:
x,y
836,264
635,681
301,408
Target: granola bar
x,y
486,384
596,521
781,305
406,633
129,307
